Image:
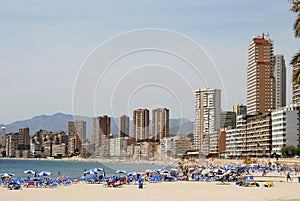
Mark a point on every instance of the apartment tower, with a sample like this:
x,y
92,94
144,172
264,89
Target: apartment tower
x,y
140,124
77,127
260,76
160,123
123,126
280,81
207,115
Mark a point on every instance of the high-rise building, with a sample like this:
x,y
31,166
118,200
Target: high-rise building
x,y
101,129
260,76
160,123
239,109
2,136
207,115
77,127
296,87
280,81
140,124
123,126
23,136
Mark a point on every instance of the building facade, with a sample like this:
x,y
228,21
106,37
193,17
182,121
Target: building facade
x,y
207,115
180,145
228,119
101,130
257,140
77,127
24,136
141,124
239,109
123,126
260,76
280,81
160,123
285,128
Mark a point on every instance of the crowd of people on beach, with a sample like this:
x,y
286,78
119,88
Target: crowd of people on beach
x,y
185,170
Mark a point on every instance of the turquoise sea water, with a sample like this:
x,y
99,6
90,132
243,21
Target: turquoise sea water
x,y
68,168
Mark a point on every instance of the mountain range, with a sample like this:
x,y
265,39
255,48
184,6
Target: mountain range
x,y
59,122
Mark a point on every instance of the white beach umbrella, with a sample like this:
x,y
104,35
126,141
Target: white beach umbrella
x,y
7,175
44,173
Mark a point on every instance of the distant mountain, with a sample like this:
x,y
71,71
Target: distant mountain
x,y
59,122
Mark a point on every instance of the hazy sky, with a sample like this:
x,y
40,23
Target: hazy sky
x,y
44,45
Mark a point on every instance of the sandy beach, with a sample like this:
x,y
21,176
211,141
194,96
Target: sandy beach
x,y
175,191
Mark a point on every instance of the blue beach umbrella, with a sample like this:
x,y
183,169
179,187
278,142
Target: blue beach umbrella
x,y
218,170
7,175
98,169
29,172
44,173
91,172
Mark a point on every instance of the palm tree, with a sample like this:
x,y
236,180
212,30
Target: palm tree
x,y
296,77
296,8
296,58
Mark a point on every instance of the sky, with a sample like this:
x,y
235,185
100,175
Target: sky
x,y
53,54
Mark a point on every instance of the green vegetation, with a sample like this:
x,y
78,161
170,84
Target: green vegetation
x,y
290,151
295,8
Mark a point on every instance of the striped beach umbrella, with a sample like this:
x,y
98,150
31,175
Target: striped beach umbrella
x,y
7,175
44,173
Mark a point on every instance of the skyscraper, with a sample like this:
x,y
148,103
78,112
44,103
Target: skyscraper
x,y
260,76
160,123
141,124
23,136
123,126
207,115
77,127
101,129
280,81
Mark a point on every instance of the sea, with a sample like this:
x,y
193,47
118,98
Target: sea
x,y
69,168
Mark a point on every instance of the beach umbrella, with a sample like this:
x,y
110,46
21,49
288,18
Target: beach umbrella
x,y
98,169
165,171
91,172
44,173
218,170
148,171
121,172
228,172
7,175
29,172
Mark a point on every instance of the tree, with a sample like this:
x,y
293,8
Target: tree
x,y
296,58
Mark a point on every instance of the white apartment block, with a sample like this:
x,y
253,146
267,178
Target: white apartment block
x,y
207,115
285,128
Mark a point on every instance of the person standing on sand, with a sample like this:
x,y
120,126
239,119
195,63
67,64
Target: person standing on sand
x,y
288,177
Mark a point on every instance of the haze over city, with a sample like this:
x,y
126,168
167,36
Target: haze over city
x,y
44,45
